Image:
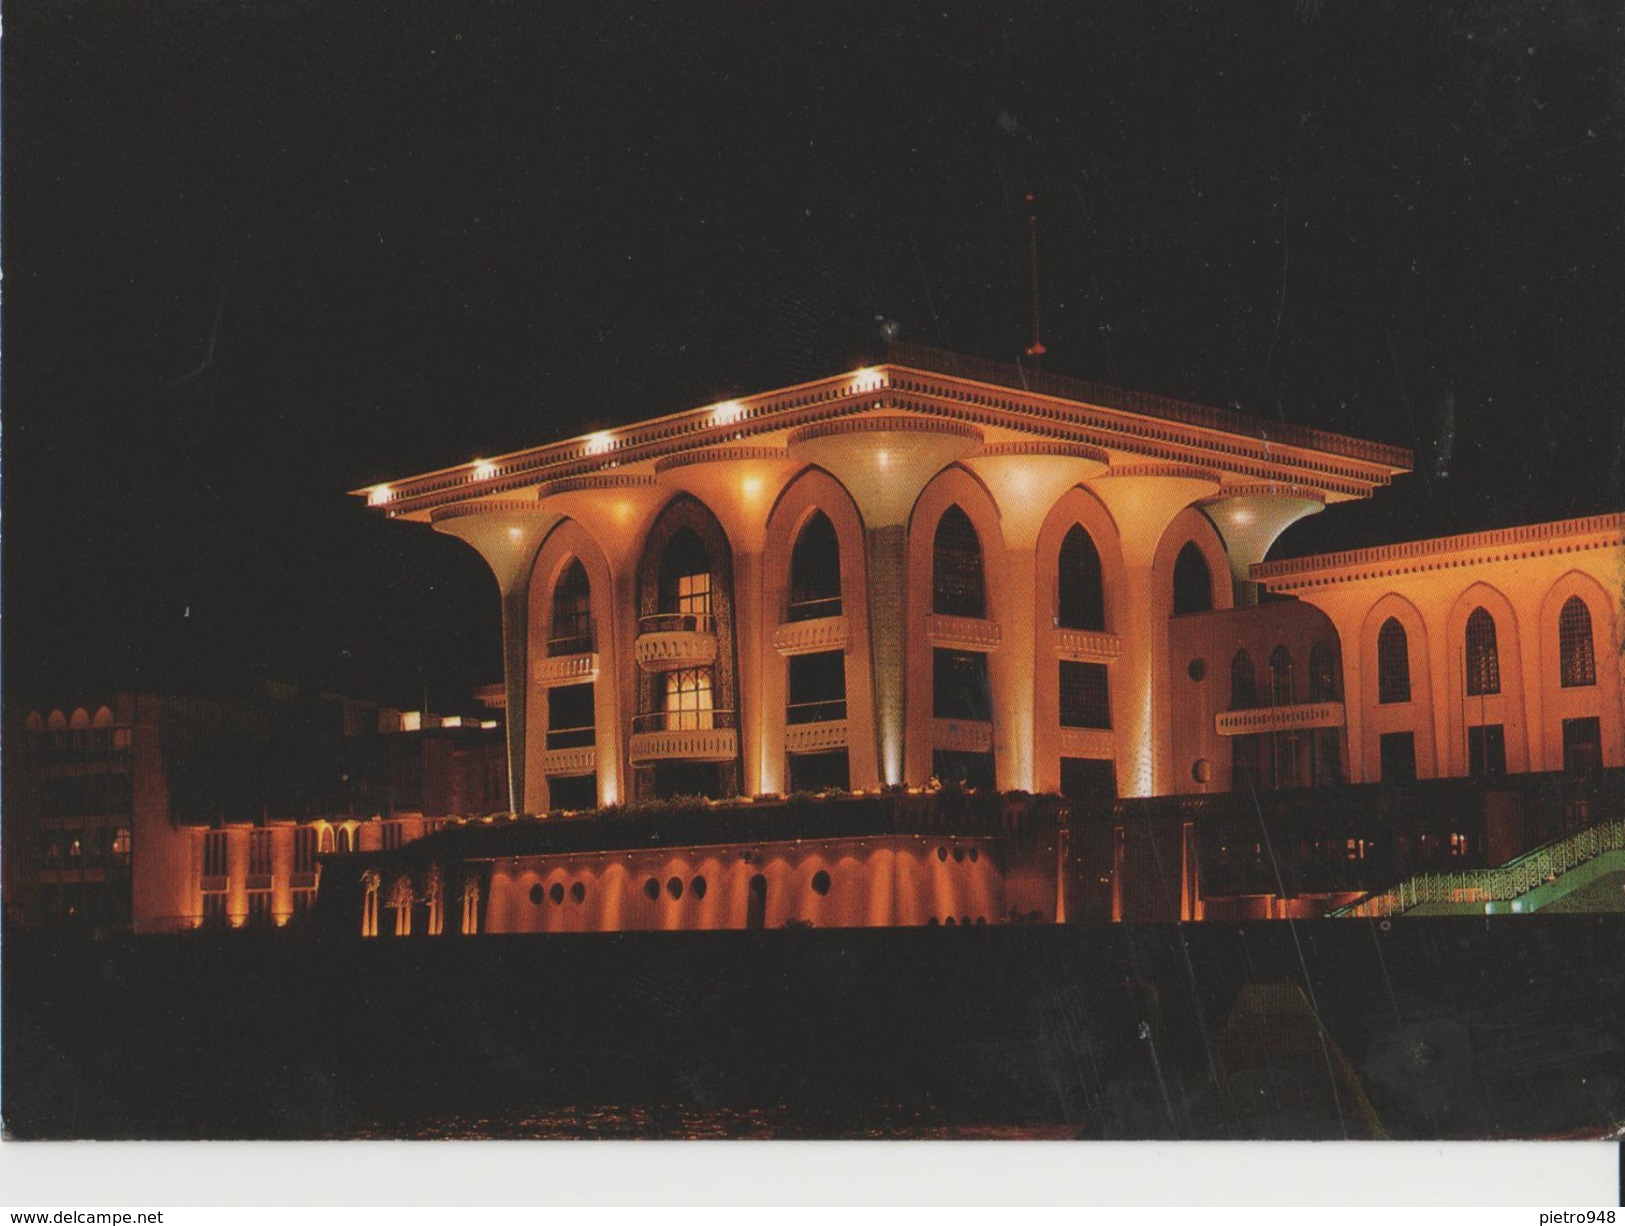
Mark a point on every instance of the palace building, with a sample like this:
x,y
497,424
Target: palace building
x,y
940,580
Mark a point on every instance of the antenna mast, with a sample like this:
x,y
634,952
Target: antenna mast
x,y
1036,349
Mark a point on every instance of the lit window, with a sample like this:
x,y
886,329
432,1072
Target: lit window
x,y
694,595
214,853
304,849
1483,660
688,699
1576,649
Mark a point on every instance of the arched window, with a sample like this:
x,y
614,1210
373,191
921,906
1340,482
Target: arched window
x,y
815,571
956,567
1082,598
1576,651
1483,661
685,575
572,612
1280,677
1323,685
1393,663
1243,685
1193,582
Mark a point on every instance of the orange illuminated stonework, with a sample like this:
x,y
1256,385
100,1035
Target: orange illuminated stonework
x,y
939,572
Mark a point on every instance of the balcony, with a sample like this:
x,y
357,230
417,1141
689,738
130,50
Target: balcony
x,y
798,638
565,669
815,737
668,641
571,760
695,736
965,633
1279,719
1086,646
962,735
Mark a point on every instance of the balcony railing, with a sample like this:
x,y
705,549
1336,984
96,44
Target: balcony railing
x,y
812,610
565,670
1279,719
972,633
963,735
571,738
817,712
1087,646
668,623
815,738
578,761
683,721
802,638
697,736
579,641
675,640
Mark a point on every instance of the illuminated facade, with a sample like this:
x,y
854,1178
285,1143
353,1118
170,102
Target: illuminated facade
x,y
939,571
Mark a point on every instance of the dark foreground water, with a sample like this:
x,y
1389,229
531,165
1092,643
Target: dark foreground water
x,y
1444,1028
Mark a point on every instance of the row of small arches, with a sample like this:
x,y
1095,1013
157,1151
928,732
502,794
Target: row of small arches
x,y
80,720
1576,650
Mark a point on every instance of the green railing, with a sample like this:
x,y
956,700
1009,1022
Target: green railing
x,y
1482,886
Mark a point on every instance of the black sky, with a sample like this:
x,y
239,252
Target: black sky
x,y
434,232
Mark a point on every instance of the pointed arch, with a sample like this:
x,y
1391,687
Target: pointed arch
x,y
1324,682
815,494
1602,700
573,613
815,570
1393,625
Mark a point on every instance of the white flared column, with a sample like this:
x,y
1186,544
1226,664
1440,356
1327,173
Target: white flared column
x,y
1143,501
1250,519
507,535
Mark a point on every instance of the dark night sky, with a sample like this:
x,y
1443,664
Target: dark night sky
x,y
438,232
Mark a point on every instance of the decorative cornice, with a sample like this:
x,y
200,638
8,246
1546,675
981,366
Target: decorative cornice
x,y
487,506
1180,472
886,423
1044,447
1267,490
597,481
1444,553
713,455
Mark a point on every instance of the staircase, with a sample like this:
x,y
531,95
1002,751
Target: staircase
x,y
1527,883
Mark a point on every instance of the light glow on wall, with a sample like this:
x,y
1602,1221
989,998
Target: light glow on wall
x,y
599,443
484,470
727,413
868,380
378,495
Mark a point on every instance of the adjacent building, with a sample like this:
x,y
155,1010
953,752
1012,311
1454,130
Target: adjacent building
x,y
162,813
